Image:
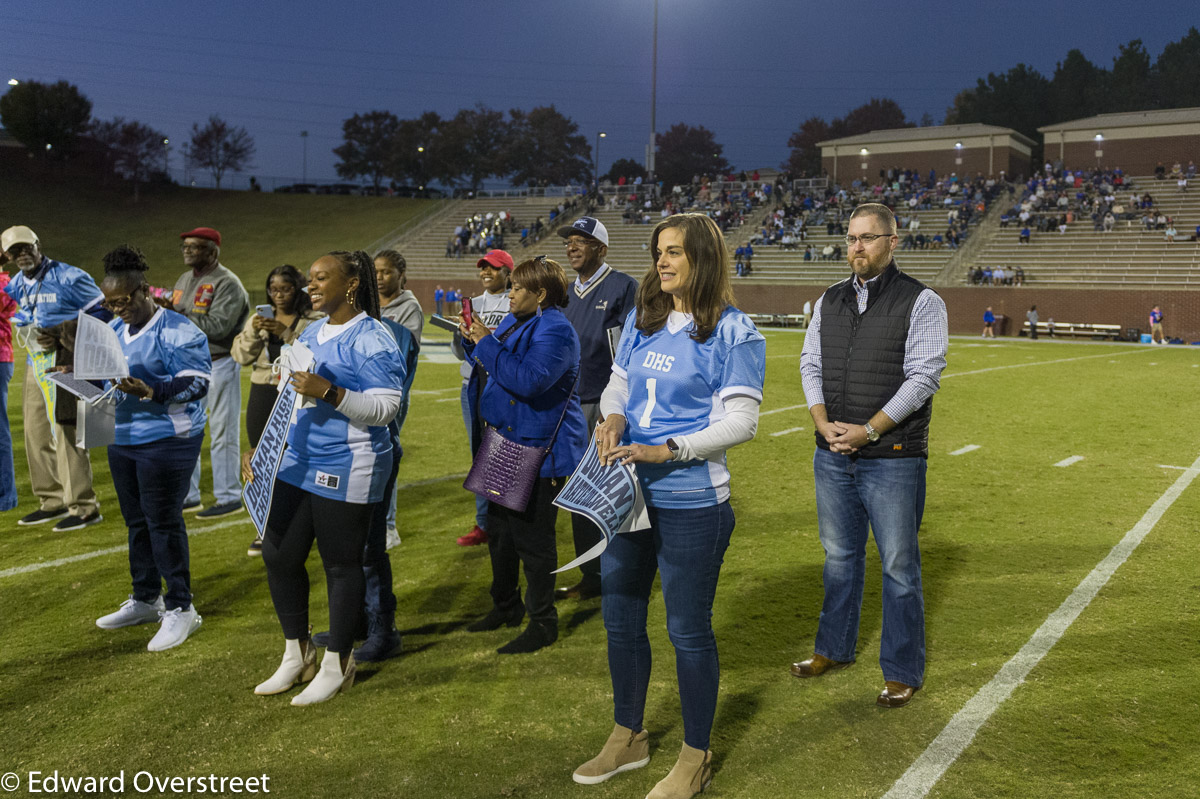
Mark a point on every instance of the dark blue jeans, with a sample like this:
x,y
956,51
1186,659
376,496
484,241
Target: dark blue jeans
x,y
8,475
151,481
686,546
888,494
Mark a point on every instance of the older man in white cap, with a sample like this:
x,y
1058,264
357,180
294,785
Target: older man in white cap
x,y
597,305
51,294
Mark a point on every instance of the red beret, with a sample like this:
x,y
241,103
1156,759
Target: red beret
x,y
212,234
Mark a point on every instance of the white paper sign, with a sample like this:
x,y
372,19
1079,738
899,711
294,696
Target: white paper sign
x,y
98,353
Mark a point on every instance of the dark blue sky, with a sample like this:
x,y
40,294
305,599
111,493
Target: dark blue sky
x,y
751,71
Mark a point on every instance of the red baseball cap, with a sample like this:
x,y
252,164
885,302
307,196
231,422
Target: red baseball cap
x,y
498,259
212,234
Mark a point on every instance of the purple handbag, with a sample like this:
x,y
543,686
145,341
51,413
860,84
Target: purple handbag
x,y
504,471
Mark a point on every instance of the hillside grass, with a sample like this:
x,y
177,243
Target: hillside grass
x,y
1006,537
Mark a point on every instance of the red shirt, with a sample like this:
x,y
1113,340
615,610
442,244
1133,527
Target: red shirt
x,y
8,307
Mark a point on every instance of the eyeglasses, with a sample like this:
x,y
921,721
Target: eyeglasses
x,y
283,292
577,241
867,238
120,305
193,247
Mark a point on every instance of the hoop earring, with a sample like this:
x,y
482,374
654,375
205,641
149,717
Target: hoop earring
x,y
350,299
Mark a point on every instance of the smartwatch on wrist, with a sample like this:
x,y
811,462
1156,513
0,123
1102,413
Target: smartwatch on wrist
x,y
671,445
330,395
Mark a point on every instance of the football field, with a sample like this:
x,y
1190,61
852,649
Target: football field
x,y
1062,604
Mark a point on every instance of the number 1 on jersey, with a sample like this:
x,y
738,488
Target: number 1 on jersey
x,y
644,422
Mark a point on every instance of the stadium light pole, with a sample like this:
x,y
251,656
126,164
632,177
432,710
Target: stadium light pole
x,y
596,172
653,99
304,168
1099,139
167,158
13,82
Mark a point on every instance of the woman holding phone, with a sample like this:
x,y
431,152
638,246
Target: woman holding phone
x,y
686,385
268,331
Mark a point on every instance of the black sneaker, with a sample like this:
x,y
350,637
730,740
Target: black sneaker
x,y
219,510
78,522
536,635
255,548
42,516
497,618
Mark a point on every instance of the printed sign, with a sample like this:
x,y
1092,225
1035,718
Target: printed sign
x,y
98,353
267,456
608,495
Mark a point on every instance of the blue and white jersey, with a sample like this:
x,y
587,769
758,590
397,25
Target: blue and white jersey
x,y
676,387
58,293
327,454
167,347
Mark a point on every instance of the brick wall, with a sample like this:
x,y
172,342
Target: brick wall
x,y
974,160
1133,156
965,305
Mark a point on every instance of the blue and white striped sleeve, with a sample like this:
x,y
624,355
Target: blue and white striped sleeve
x,y
924,356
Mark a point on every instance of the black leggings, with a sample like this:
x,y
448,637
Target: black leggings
x,y
340,529
258,410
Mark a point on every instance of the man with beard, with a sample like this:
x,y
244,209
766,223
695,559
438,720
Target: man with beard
x,y
871,362
214,299
50,295
597,304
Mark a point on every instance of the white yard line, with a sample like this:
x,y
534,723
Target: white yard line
x,y
966,449
960,731
1165,466
243,520
781,410
789,430
1042,363
1069,461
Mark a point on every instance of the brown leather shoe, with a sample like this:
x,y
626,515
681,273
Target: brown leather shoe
x,y
580,590
896,694
817,665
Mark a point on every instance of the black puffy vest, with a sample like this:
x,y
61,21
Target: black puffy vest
x,y
862,360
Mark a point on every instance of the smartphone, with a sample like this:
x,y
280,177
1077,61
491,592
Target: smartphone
x,y
265,311
466,311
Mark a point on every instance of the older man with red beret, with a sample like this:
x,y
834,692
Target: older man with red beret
x,y
214,299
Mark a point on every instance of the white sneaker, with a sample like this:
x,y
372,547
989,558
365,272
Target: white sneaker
x,y
131,612
176,626
393,538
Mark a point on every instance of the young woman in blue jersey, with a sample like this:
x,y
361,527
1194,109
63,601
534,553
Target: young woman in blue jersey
x,y
686,385
532,363
159,427
333,471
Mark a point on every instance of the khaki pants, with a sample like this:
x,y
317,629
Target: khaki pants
x,y
60,473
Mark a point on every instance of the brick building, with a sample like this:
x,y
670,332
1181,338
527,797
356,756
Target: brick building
x,y
965,149
1135,141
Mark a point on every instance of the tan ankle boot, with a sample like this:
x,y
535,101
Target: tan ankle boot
x,y
623,751
691,774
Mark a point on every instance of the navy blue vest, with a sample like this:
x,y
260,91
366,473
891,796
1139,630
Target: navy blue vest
x,y
862,360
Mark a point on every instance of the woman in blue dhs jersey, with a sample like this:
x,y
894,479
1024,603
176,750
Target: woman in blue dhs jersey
x,y
333,471
532,363
686,385
159,426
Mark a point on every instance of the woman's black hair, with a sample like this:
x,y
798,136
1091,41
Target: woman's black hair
x,y
360,265
301,302
126,264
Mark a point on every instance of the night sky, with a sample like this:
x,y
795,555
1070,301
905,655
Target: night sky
x,y
751,71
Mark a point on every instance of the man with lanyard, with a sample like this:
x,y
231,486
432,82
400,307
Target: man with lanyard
x,y
871,362
597,305
51,294
214,299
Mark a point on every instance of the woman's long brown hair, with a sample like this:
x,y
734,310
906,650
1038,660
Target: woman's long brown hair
x,y
709,290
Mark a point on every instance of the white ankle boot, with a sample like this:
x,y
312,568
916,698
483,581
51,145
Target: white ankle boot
x,y
331,679
299,664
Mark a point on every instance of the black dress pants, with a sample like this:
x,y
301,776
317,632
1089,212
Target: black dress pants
x,y
526,538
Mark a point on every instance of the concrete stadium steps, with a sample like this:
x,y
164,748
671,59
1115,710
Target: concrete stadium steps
x,y
1128,257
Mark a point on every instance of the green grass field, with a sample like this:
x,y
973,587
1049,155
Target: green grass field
x,y
1007,536
259,231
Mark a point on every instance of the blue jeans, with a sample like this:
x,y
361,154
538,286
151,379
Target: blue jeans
x,y
889,495
470,421
151,481
686,546
8,474
224,404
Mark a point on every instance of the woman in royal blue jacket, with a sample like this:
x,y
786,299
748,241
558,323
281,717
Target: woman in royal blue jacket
x,y
532,362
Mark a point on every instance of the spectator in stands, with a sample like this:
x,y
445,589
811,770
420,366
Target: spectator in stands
x,y
490,308
989,323
260,343
1170,233
1031,316
1050,327
999,277
1024,237
1156,326
1160,171
213,297
1018,276
827,252
808,247
1110,222
50,295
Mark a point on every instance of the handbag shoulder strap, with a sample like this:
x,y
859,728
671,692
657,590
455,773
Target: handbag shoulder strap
x,y
566,405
